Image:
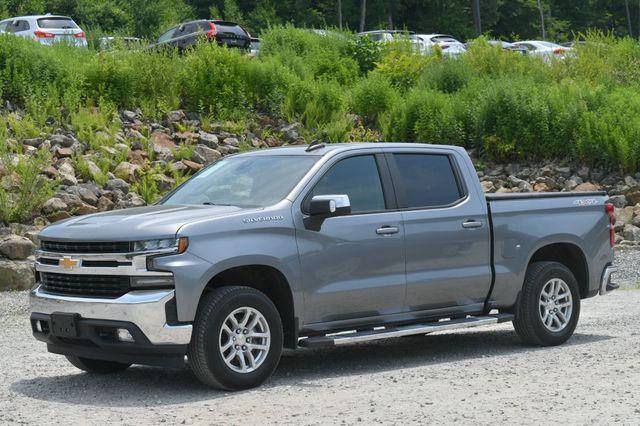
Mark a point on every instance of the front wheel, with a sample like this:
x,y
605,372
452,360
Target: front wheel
x,y
549,305
237,338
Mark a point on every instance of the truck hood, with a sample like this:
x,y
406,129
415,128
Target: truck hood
x,y
135,224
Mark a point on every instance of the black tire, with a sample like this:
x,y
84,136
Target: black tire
x,y
96,366
204,355
528,323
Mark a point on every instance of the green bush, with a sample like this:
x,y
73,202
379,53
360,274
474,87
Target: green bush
x,y
372,96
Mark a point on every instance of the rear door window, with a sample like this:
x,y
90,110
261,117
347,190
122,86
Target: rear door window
x,y
356,177
56,23
427,180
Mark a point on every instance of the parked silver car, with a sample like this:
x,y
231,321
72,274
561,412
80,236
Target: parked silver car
x,y
46,29
450,46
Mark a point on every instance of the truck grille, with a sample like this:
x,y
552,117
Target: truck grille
x,y
86,247
85,285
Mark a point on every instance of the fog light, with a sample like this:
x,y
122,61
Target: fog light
x,y
124,335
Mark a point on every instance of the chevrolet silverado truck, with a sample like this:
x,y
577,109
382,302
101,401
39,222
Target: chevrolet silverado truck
x,y
318,245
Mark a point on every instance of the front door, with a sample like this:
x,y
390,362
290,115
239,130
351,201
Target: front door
x,y
352,266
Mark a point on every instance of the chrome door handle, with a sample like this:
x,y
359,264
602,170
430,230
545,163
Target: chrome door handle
x,y
472,224
387,230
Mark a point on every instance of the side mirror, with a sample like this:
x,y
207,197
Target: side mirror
x,y
329,206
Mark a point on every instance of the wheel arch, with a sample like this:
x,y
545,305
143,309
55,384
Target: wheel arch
x,y
569,255
268,280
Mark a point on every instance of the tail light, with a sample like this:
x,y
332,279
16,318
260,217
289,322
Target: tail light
x,y
42,34
558,52
212,32
81,34
612,220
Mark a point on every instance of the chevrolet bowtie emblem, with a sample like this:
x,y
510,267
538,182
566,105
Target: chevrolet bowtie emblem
x,y
67,263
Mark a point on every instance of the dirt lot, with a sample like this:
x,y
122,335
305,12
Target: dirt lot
x,y
475,376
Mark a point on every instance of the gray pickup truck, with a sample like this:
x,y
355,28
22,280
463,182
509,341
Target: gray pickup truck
x,y
316,245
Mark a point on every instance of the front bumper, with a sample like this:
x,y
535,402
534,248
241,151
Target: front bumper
x,y
146,309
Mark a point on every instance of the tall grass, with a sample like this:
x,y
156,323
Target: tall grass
x,y
504,105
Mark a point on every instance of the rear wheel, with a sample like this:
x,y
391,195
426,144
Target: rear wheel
x,y
96,366
549,305
237,338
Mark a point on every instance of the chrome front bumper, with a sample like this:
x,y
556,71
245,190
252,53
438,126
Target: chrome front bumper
x,y
144,308
605,282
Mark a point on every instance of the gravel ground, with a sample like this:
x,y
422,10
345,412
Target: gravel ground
x,y
628,262
475,376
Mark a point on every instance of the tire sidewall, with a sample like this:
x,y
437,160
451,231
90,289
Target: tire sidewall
x,y
226,376
547,336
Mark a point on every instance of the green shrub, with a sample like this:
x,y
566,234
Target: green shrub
x,y
372,96
314,103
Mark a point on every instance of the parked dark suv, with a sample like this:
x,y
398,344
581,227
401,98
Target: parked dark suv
x,y
187,34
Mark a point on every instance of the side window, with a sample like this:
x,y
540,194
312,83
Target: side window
x,y
3,26
428,180
167,35
356,177
23,26
191,27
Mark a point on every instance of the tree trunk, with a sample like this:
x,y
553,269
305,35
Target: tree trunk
x,y
544,34
340,14
476,17
626,8
363,14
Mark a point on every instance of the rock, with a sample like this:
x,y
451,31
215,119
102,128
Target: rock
x,y
126,171
50,171
16,275
541,187
618,201
174,116
57,216
61,152
138,156
53,204
83,209
34,142
186,136
630,181
192,165
208,139
231,141
164,183
94,170
16,247
87,196
633,196
290,132
61,140
272,141
583,172
130,200
521,184
487,186
504,191
622,217
631,233
105,204
162,144
129,115
206,154
118,184
587,187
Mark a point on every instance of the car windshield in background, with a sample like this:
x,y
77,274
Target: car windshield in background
x,y
252,181
56,23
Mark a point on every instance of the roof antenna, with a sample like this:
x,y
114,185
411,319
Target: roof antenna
x,y
315,144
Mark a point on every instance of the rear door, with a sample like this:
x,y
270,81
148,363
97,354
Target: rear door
x,y
352,266
446,231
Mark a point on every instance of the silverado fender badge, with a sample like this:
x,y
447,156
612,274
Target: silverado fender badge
x,y
262,219
585,202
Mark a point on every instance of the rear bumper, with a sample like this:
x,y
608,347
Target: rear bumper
x,y
605,281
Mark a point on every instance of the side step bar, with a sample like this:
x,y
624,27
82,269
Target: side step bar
x,y
405,330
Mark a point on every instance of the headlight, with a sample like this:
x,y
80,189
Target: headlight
x,y
179,245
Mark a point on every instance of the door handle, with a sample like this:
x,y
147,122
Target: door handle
x,y
472,224
387,230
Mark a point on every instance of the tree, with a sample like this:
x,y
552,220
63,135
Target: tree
x,y
340,14
363,14
542,20
476,17
626,8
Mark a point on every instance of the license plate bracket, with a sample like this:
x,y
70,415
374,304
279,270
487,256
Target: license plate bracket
x,y
64,324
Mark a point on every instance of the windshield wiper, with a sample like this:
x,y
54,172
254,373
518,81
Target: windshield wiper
x,y
209,203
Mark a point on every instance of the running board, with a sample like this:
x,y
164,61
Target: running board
x,y
405,330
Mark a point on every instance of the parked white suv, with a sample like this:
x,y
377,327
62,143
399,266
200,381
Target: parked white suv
x,y
45,29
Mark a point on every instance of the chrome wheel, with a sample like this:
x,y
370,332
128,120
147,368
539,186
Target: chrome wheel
x,y
244,340
556,304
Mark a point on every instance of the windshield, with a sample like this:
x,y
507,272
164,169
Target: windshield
x,y
253,181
